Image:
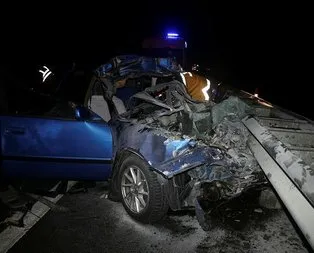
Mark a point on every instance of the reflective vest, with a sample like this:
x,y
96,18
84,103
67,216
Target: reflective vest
x,y
197,86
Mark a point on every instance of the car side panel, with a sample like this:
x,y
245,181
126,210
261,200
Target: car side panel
x,y
55,148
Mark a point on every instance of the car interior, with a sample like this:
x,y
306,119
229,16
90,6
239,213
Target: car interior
x,y
98,104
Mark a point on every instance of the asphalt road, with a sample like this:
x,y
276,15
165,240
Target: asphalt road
x,y
92,223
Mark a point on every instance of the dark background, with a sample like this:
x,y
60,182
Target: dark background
x,y
261,45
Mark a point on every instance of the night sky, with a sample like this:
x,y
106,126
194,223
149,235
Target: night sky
x,y
250,46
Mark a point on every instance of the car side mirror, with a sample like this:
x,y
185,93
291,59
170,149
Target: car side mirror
x,y
83,113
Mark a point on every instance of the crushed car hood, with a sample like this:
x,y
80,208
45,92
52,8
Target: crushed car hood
x,y
176,134
167,153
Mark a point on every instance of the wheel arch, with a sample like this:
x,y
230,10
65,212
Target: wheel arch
x,y
118,159
168,188
121,154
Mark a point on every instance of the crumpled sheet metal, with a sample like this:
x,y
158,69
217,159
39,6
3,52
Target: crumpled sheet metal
x,y
134,65
231,134
233,106
168,154
239,166
173,154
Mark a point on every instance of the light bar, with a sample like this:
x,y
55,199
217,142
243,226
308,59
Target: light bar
x,y
172,35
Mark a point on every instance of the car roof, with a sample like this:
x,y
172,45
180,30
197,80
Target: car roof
x,y
124,66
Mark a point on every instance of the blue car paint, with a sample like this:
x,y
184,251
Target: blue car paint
x,y
82,150
191,158
72,149
166,155
55,148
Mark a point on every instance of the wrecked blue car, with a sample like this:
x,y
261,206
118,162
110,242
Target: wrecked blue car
x,y
139,129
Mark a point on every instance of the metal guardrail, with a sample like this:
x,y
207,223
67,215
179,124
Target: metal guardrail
x,y
291,178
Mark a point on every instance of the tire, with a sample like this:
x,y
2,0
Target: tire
x,y
144,200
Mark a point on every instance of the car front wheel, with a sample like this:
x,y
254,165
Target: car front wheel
x,y
142,194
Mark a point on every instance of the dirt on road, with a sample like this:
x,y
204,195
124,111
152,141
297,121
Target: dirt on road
x,y
96,224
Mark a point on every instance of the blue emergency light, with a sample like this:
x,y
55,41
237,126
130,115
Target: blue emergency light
x,y
172,35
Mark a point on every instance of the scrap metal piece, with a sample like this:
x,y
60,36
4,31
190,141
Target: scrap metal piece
x,y
202,217
269,200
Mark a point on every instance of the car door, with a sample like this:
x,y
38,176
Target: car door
x,y
61,145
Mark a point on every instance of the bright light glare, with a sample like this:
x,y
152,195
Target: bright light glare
x,y
256,95
172,34
265,104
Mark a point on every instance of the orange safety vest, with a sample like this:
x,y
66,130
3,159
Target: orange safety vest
x,y
196,85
